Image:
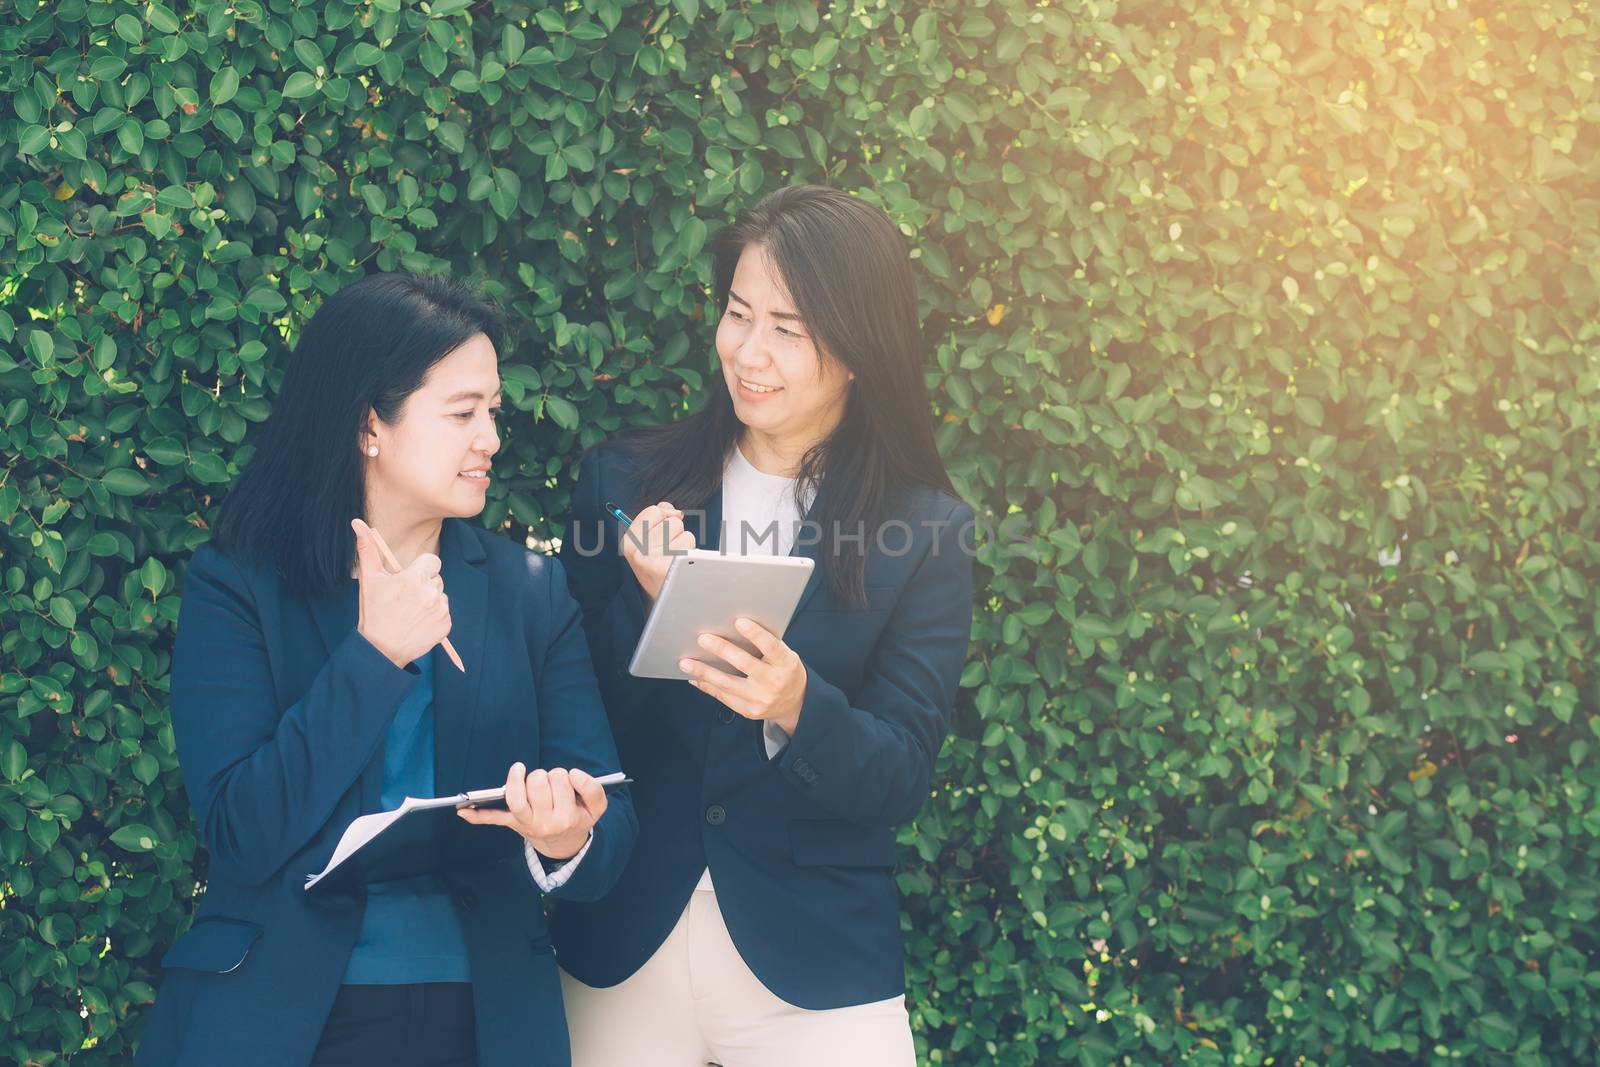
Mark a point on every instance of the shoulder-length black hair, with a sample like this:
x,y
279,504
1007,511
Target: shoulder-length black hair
x,y
368,347
845,265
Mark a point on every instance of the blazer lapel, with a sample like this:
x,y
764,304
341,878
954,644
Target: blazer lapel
x,y
455,693
706,524
735,748
336,615
804,545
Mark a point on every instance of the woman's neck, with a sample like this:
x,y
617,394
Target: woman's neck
x,y
771,454
407,537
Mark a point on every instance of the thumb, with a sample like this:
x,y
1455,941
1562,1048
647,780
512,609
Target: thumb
x,y
591,794
366,551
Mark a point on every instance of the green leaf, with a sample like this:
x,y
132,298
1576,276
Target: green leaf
x,y
299,85
692,237
224,86
129,29
125,482
451,136
130,135
228,124
62,611
107,68
309,54
562,411
1487,660
42,346
162,20
209,468
13,760
102,544
678,141
135,837
579,157
145,768
33,140
512,42
153,576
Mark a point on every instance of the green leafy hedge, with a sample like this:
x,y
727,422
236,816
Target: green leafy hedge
x,y
1264,337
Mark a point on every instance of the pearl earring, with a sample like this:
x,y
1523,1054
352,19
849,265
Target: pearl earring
x,y
372,450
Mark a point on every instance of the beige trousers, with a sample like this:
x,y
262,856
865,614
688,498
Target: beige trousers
x,y
695,1002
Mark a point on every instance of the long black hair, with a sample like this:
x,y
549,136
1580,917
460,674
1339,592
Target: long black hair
x,y
368,347
845,265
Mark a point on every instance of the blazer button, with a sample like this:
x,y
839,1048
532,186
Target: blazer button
x,y
716,815
726,715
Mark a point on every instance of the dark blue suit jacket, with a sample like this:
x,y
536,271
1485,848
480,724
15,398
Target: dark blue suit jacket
x,y
801,846
280,709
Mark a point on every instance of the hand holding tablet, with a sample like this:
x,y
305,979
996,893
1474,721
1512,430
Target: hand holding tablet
x,y
769,686
706,601
705,593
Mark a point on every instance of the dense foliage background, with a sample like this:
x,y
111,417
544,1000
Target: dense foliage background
x,y
1264,337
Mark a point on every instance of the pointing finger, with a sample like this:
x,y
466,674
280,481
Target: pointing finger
x,y
368,559
389,562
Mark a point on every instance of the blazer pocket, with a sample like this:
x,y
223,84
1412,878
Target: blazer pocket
x,y
217,946
836,843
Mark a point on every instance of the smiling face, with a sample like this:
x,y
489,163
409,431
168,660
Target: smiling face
x,y
433,461
782,383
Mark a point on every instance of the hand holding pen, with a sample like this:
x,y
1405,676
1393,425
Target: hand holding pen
x,y
660,537
403,611
553,810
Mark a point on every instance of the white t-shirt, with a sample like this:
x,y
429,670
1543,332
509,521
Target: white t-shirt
x,y
759,512
760,516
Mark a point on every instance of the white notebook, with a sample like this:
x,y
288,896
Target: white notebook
x,y
414,835
406,841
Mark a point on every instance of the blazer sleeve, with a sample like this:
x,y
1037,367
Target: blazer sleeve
x,y
263,781
869,758
608,595
573,732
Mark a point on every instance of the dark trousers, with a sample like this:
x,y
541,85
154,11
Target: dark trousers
x,y
424,1025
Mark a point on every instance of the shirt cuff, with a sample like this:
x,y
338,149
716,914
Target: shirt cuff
x,y
774,736
550,882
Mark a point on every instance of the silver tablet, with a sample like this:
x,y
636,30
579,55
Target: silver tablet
x,y
704,592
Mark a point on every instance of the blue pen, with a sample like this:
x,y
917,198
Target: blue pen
x,y
618,513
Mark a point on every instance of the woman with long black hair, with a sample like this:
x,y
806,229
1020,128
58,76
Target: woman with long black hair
x,y
758,923
350,639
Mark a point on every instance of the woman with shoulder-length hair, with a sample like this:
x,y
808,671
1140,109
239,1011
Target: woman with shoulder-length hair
x,y
757,922
315,680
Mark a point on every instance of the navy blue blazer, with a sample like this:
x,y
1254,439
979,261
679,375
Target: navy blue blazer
x,y
801,846
280,708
